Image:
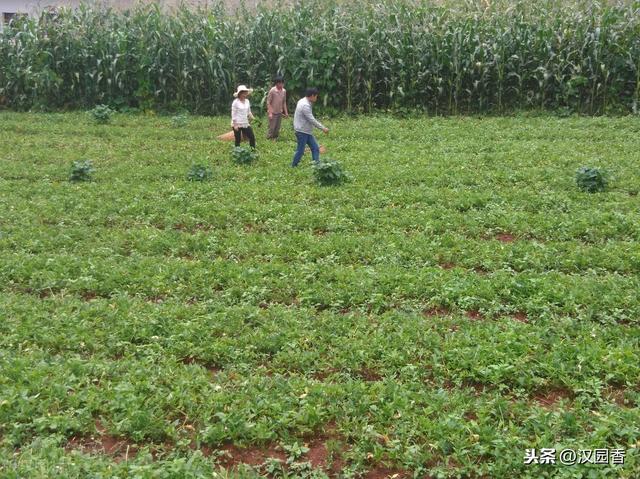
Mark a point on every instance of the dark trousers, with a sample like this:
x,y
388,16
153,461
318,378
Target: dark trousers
x,y
248,133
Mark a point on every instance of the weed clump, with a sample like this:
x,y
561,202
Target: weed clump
x,y
81,171
244,156
199,173
591,180
101,114
329,173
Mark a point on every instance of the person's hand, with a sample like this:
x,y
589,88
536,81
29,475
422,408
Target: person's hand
x,y
235,127
270,116
325,131
286,114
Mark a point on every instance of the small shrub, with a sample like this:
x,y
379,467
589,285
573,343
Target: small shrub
x,y
199,173
244,156
81,171
180,121
101,114
591,180
330,173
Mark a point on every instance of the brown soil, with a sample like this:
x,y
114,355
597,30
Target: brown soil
x,y
386,473
616,394
506,237
447,265
212,368
120,449
369,374
436,311
520,316
551,397
474,315
253,456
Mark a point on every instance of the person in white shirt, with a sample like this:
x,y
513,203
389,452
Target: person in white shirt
x,y
241,115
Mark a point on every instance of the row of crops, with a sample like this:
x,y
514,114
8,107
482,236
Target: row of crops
x,y
442,57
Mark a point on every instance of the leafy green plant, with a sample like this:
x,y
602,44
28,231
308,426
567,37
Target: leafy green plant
x,y
244,156
591,180
180,121
199,173
101,114
329,173
81,171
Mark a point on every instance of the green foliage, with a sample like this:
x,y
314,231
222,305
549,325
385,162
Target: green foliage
x,y
439,57
81,171
329,172
394,322
180,121
101,114
199,173
591,180
244,156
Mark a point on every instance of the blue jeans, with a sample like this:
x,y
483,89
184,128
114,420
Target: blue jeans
x,y
305,139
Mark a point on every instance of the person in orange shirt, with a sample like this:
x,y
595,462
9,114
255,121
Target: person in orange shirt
x,y
276,107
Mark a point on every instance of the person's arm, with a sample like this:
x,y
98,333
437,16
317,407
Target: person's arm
x,y
249,114
234,115
286,111
308,114
269,100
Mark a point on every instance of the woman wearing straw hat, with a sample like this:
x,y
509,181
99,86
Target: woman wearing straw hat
x,y
241,114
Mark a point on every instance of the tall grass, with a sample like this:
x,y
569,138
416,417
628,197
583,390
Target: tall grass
x,y
451,57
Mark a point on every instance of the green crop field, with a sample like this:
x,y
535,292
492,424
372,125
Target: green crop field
x,y
458,302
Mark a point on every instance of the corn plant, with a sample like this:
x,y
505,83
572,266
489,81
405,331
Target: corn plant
x,y
452,56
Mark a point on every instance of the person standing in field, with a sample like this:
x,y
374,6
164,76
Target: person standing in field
x,y
303,123
276,107
240,116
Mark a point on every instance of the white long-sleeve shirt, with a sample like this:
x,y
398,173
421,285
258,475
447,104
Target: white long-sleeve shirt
x,y
240,113
303,119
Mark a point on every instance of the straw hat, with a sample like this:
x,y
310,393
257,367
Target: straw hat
x,y
242,88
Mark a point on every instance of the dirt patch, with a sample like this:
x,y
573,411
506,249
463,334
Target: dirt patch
x,y
521,316
549,398
481,270
474,315
369,375
212,368
617,395
436,311
234,456
319,232
120,449
326,450
505,238
386,473
470,416
157,299
324,373
447,265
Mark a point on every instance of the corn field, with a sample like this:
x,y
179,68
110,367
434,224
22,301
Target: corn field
x,y
441,58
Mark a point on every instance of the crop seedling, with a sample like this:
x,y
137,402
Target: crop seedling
x,y
591,180
82,171
330,172
102,114
244,156
199,173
